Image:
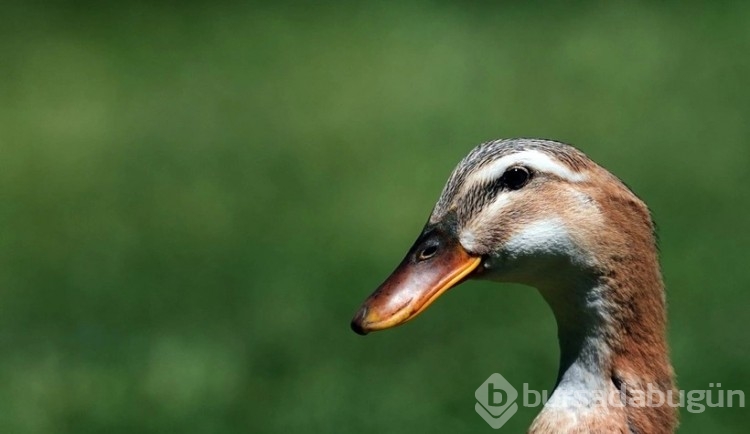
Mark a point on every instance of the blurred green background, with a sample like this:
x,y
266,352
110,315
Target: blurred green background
x,y
195,198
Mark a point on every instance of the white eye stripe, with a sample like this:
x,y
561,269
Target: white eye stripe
x,y
536,160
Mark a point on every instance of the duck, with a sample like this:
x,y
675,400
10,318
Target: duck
x,y
541,213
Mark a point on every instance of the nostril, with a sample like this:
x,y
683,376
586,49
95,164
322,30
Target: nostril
x,y
428,252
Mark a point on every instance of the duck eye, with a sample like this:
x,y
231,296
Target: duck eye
x,y
516,177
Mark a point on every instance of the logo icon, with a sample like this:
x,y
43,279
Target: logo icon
x,y
496,400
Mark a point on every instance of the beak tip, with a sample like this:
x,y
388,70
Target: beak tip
x,y
358,322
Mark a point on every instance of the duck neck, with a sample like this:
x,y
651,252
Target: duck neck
x,y
586,363
612,335
585,329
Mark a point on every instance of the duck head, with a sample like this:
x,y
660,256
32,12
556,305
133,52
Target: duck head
x,y
519,210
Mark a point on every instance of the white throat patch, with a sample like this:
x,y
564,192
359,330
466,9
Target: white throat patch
x,y
542,236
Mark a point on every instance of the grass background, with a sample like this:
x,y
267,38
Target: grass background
x,y
196,197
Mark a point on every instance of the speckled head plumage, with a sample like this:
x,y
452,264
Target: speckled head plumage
x,y
488,152
565,189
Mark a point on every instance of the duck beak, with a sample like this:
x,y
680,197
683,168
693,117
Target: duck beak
x,y
435,264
